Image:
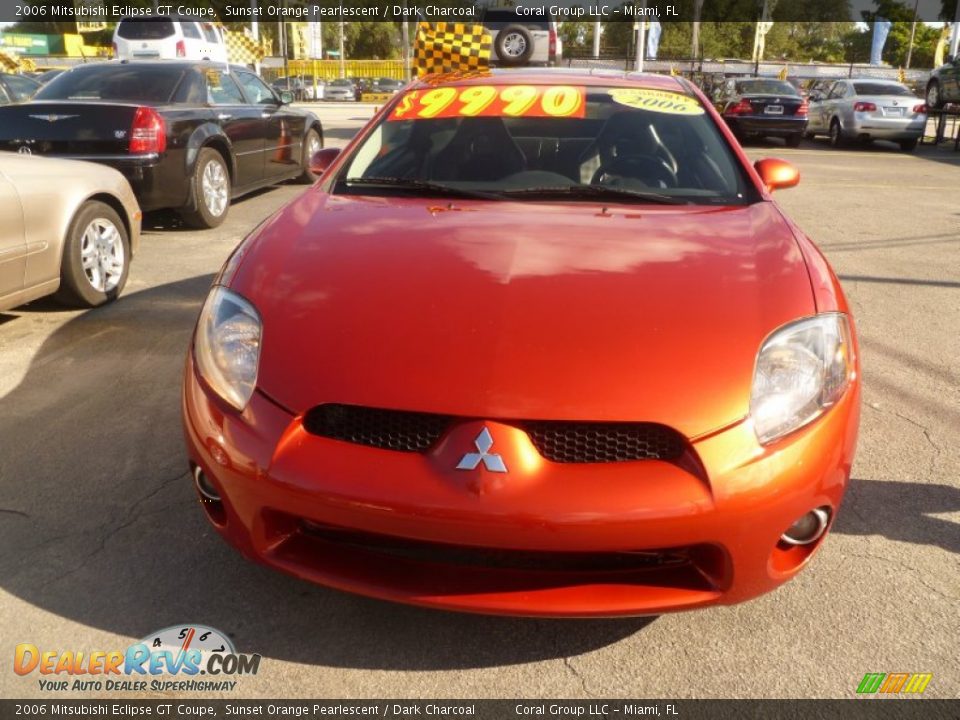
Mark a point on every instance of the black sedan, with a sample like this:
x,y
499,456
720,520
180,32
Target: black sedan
x,y
763,108
16,88
187,135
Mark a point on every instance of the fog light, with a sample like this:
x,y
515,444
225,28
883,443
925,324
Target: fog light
x,y
204,486
807,528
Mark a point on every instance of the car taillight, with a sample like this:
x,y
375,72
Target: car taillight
x,y
148,134
741,108
181,48
553,45
864,107
803,109
921,108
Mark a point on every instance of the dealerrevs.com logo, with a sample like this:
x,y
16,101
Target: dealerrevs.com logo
x,y
168,660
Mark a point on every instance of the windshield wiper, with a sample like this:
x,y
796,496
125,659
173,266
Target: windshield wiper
x,y
597,192
425,185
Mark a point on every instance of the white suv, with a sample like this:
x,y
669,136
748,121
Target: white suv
x,y
527,39
168,38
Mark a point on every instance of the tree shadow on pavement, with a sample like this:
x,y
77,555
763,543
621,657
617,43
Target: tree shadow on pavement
x,y
901,511
99,521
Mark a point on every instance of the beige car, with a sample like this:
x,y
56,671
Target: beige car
x,y
66,227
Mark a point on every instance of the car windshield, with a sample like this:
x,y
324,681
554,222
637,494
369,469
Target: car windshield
x,y
150,84
875,88
560,141
341,83
772,87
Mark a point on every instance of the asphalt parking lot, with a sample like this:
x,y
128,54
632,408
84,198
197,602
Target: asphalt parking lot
x,y
104,543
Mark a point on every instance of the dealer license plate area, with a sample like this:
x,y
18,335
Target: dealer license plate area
x,y
773,110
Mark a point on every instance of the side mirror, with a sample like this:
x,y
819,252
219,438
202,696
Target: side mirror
x,y
286,97
777,174
322,159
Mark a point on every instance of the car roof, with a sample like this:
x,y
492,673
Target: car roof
x,y
591,77
182,64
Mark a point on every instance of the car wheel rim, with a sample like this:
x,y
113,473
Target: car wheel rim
x,y
933,95
102,255
313,147
514,45
215,188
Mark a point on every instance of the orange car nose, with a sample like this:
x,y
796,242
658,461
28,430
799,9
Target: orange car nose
x,y
484,457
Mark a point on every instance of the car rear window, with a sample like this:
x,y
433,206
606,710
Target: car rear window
x,y
156,29
135,83
516,139
774,87
875,88
499,19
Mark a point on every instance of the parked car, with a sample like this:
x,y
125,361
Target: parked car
x,y
556,351
17,88
868,110
387,85
763,108
528,39
167,37
944,85
341,89
187,135
67,228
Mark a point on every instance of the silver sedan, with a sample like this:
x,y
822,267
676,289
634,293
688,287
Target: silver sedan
x,y
867,110
67,228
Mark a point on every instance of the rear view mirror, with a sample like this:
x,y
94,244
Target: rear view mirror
x,y
322,159
777,174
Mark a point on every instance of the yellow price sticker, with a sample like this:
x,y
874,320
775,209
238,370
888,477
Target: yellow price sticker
x,y
662,101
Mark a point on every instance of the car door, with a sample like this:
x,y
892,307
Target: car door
x,y
241,122
284,130
951,81
831,104
13,245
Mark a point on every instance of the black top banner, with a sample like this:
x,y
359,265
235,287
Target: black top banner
x,y
476,10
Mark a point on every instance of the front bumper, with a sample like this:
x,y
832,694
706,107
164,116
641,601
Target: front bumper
x,y
157,182
546,539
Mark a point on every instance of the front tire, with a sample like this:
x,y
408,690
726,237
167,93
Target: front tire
x,y
211,191
312,143
96,257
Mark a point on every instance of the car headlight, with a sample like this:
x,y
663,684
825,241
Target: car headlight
x,y
227,346
802,369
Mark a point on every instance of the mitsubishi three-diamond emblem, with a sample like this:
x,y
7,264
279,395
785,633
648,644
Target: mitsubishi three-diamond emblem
x,y
491,461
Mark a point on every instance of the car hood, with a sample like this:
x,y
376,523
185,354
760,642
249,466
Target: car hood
x,y
509,310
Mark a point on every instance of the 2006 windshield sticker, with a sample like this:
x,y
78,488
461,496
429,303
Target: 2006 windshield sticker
x,y
661,101
492,101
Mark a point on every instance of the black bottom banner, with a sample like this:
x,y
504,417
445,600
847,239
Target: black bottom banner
x,y
170,709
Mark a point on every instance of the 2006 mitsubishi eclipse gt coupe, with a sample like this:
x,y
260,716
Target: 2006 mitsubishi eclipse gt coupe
x,y
535,343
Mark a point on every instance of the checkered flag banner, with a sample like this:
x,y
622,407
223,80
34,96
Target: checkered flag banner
x,y
242,49
450,47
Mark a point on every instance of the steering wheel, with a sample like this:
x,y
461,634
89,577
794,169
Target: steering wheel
x,y
652,172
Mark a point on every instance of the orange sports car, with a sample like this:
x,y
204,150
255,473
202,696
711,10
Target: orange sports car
x,y
536,343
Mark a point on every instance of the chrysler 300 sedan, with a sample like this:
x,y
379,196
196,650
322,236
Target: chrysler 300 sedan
x,y
534,344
